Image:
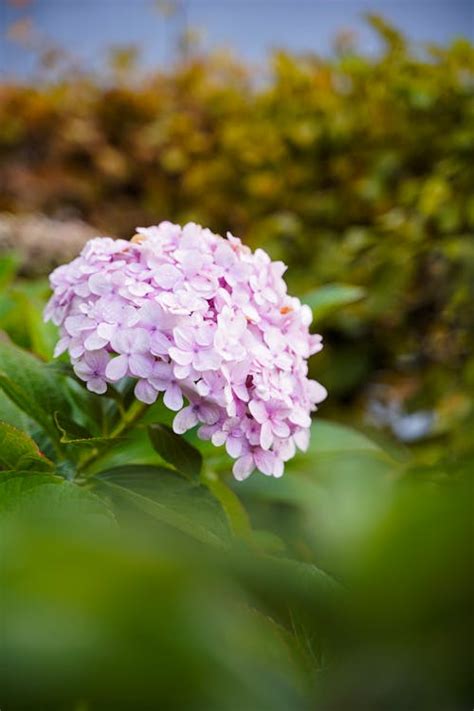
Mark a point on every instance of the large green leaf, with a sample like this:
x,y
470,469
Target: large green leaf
x,y
169,498
332,450
329,437
31,385
337,490
175,450
49,495
18,450
332,297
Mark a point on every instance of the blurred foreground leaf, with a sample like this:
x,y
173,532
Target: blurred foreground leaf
x,y
49,497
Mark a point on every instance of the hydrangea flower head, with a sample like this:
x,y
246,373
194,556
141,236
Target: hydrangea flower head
x,y
204,321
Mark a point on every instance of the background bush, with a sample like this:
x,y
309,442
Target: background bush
x,y
350,169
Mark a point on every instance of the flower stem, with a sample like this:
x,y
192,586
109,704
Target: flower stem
x,y
130,417
234,510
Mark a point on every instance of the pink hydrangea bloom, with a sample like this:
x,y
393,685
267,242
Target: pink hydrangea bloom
x,y
202,320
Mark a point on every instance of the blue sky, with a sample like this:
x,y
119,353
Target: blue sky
x,y
251,27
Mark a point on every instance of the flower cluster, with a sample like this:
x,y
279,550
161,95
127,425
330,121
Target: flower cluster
x,y
199,318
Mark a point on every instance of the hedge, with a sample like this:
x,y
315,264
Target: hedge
x,y
351,169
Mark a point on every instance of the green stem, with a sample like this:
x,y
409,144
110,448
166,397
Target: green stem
x,y
234,510
130,417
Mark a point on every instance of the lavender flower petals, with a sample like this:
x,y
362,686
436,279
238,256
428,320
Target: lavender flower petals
x,y
199,318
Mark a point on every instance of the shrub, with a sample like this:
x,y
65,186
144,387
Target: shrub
x,y
350,169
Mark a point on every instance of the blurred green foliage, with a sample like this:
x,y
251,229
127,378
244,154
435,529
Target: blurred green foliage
x,y
135,573
354,170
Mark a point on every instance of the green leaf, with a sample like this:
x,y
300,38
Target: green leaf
x,y
13,415
15,490
18,473
329,437
175,450
338,489
175,501
332,297
22,399
49,495
31,385
337,455
331,446
18,450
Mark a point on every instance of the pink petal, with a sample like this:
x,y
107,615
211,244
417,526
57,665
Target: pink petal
x,y
75,324
264,461
94,342
185,420
76,347
318,392
97,385
281,429
141,365
83,370
159,343
208,413
140,340
181,357
241,391
204,335
266,435
97,360
219,438
162,370
301,438
61,346
206,360
145,392
278,468
258,410
122,341
243,467
234,446
166,276
181,372
173,397
183,338
106,330
274,339
299,417
117,368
